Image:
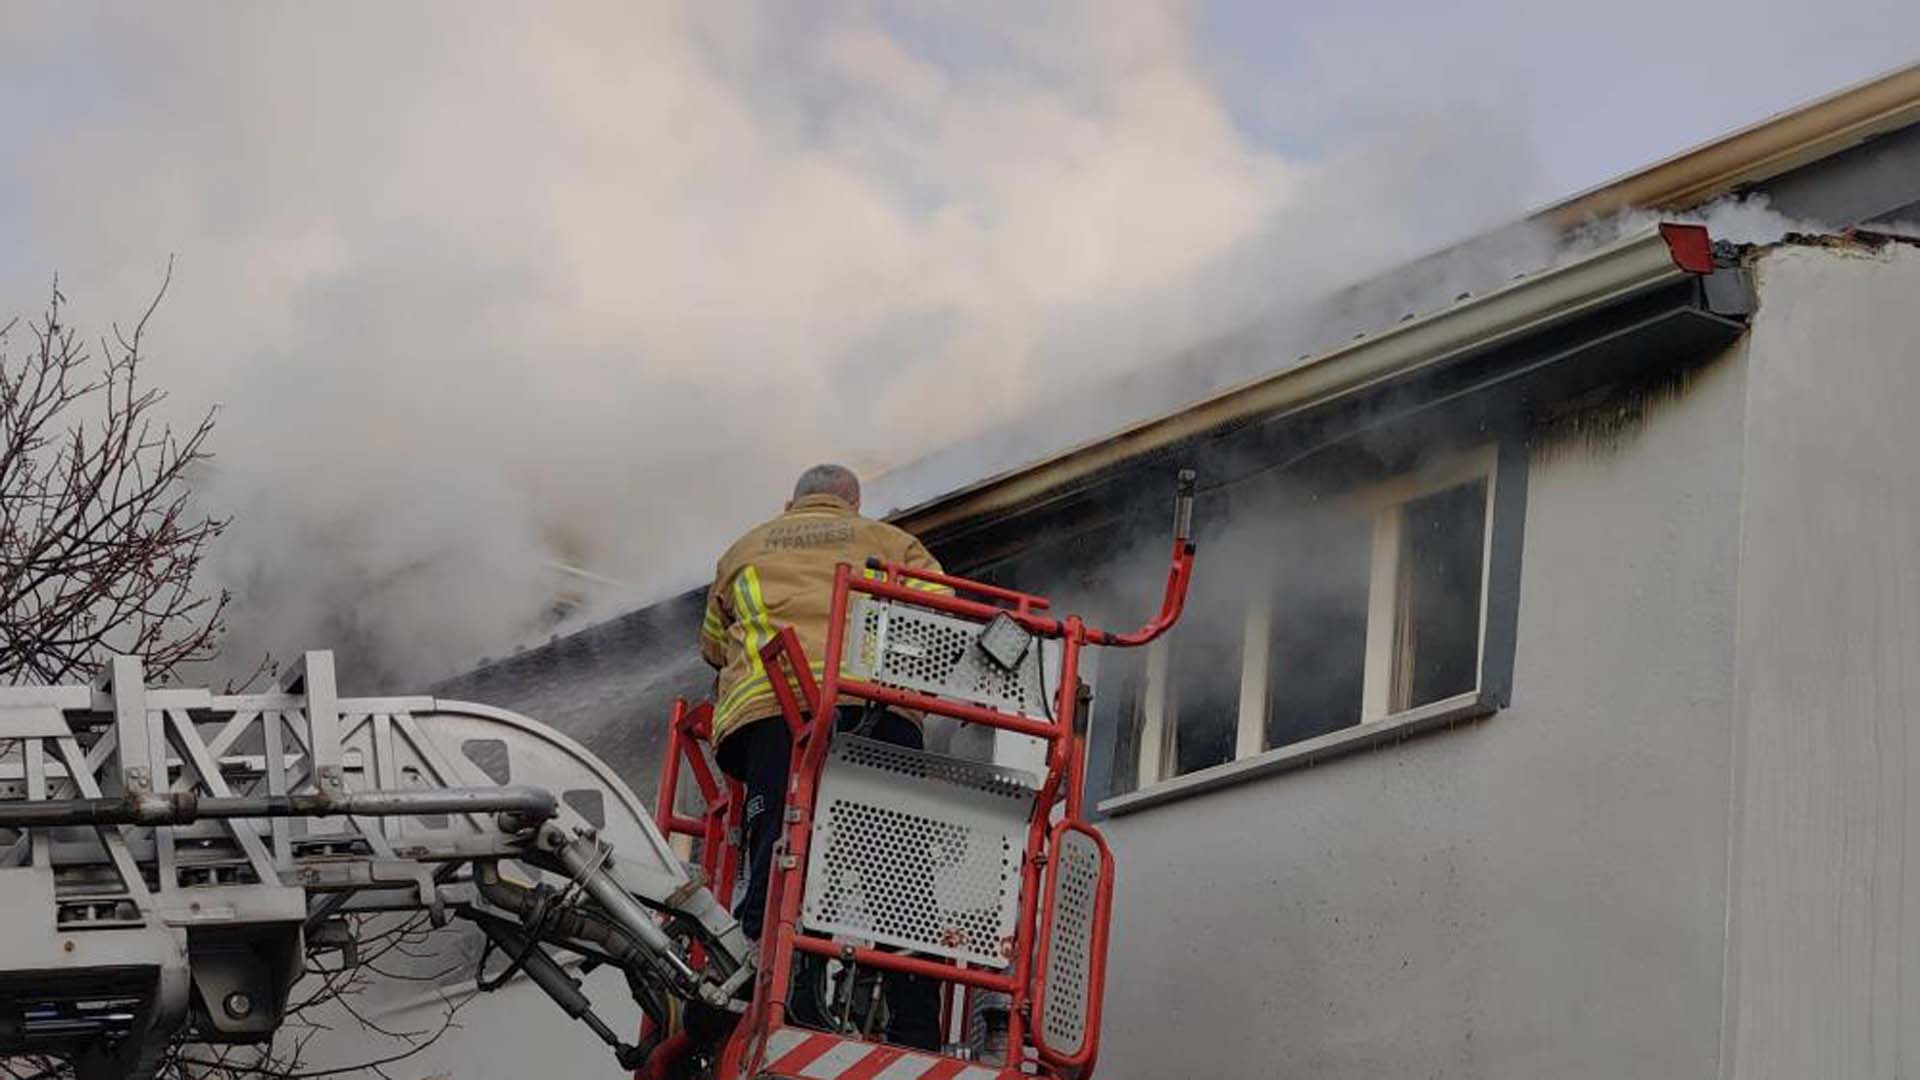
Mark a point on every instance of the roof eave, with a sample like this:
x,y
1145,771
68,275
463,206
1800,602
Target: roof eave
x,y
1626,268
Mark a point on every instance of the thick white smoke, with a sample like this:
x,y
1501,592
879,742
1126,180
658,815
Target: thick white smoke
x,y
482,290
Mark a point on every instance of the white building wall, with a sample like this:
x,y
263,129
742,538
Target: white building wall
x,y
1537,894
1823,969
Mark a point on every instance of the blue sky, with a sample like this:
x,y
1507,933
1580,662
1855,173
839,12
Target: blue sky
x,y
1599,89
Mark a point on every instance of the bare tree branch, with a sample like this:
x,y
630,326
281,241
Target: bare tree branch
x,y
100,542
100,549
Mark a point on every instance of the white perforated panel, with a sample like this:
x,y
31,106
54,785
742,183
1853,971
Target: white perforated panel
x,y
918,850
1067,994
908,647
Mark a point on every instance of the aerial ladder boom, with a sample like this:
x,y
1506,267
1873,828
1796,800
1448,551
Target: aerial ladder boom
x,y
167,857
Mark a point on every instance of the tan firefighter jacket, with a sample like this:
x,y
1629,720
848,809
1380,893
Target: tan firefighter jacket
x,y
781,574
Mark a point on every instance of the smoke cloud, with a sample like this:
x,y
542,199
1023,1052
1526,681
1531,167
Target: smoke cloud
x,y
485,292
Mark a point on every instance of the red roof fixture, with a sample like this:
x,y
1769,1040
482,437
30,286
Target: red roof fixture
x,y
1690,246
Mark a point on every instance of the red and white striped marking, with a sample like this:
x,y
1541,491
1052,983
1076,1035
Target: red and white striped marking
x,y
814,1055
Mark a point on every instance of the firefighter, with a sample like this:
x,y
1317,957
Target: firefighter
x,y
780,574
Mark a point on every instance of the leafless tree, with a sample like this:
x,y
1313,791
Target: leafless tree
x,y
100,543
99,538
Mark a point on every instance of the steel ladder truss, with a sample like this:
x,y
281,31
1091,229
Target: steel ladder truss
x,y
168,857
986,879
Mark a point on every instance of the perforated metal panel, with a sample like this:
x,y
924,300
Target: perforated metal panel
x,y
1068,994
918,850
900,645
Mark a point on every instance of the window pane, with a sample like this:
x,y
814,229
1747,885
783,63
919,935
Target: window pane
x,y
1319,629
1442,536
1125,681
1204,676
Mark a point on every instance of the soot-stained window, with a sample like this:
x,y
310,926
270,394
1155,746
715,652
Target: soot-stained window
x,y
1204,679
1442,536
1125,687
1320,613
1317,628
1188,708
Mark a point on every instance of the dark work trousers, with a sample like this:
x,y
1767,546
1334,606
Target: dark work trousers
x,y
759,756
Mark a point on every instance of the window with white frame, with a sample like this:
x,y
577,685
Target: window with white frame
x,y
1360,610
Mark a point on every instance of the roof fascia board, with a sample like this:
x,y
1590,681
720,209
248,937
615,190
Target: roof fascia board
x,y
1783,142
1626,268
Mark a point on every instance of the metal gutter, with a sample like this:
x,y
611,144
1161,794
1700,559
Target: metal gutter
x,y
1783,142
1629,267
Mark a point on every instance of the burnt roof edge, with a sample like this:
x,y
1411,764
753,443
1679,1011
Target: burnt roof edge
x,y
1624,269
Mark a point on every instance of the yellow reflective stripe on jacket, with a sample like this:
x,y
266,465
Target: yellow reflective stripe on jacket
x,y
748,688
757,687
750,608
910,582
713,626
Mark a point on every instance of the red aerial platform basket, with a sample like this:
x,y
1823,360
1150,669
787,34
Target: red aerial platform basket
x,y
986,879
